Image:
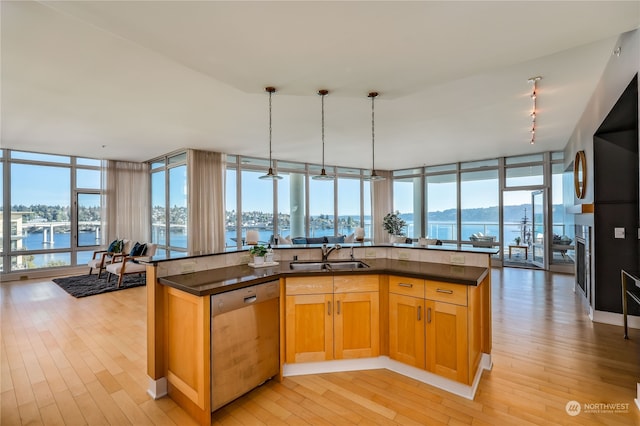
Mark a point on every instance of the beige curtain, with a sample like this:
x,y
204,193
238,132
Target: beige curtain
x,y
126,201
206,186
381,205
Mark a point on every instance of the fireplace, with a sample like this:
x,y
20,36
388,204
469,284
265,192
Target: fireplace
x,y
583,261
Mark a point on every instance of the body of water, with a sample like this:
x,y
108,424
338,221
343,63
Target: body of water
x,y
441,230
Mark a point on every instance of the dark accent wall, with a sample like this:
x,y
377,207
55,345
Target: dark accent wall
x,y
616,193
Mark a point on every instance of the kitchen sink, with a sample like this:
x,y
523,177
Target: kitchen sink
x,y
331,265
307,266
349,264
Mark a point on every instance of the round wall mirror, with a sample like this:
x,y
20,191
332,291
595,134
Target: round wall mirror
x,y
580,174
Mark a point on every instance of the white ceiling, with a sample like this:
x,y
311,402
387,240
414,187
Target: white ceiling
x,y
146,78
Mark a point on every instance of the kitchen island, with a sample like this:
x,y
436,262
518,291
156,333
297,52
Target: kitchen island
x,y
407,311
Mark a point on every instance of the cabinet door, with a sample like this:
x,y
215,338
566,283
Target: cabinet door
x,y
356,325
447,345
406,329
309,328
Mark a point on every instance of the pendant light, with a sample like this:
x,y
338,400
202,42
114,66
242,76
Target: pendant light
x,y
270,174
374,176
323,174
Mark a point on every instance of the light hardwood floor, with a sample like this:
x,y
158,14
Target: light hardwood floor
x,y
82,361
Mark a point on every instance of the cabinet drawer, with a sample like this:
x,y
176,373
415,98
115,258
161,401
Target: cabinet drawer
x,y
446,292
309,285
407,286
355,283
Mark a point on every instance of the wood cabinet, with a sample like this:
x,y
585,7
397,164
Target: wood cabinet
x,y
431,327
331,319
406,321
453,330
309,321
356,323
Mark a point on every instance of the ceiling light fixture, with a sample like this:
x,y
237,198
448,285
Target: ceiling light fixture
x,y
534,110
374,176
270,174
323,174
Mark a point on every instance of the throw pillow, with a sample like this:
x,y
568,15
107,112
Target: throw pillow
x,y
335,240
134,249
142,250
112,246
138,250
316,240
115,246
284,240
350,238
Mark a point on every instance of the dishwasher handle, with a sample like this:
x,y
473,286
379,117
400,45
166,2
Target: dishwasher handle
x,y
250,299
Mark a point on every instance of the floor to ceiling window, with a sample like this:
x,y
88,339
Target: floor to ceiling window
x,y
524,199
407,199
480,203
562,223
350,198
442,202
292,209
303,207
321,204
257,199
44,230
169,204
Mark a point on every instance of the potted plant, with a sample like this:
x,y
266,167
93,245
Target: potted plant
x,y
394,225
258,251
517,241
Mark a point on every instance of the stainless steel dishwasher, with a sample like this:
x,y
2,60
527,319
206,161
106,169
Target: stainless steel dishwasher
x,y
245,340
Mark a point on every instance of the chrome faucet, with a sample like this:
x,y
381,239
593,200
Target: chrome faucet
x,y
327,250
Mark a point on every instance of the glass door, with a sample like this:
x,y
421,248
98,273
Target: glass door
x,y
538,229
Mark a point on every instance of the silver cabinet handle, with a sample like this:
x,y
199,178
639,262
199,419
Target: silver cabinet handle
x,y
442,290
429,315
405,285
328,308
419,313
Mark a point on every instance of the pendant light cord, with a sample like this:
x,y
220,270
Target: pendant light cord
x,y
270,161
322,97
373,95
373,137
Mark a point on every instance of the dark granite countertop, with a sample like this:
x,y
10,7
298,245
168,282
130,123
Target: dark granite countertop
x,y
447,247
216,281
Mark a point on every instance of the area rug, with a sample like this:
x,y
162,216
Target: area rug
x,y
89,285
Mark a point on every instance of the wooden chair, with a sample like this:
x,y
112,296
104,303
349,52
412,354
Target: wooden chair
x,y
126,264
102,258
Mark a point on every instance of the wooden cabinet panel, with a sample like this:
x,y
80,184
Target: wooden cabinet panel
x,y
356,325
309,329
309,285
320,327
447,344
186,326
408,286
407,330
446,292
355,283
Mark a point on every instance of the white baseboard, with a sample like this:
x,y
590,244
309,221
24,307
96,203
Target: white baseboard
x,y
423,376
615,319
157,388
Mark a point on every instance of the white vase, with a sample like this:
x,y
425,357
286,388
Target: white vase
x,y
397,238
258,260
